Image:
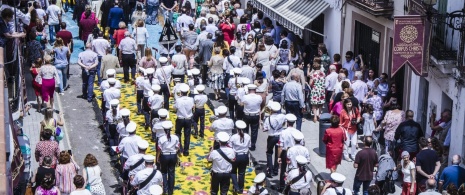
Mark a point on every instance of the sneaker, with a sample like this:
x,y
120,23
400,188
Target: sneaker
x,y
61,93
348,159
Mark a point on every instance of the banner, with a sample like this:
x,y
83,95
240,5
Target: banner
x,y
411,44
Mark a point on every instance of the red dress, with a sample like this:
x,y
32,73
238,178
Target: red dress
x,y
228,31
37,87
334,140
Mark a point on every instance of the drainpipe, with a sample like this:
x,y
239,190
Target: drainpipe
x,y
343,24
3,142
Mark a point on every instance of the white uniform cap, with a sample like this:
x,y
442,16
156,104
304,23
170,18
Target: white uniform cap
x,y
259,178
142,144
111,72
114,102
142,69
231,72
245,81
222,110
167,124
275,106
251,86
156,88
111,80
151,93
184,88
237,70
195,71
196,92
200,88
177,79
338,178
240,124
131,127
291,118
125,112
163,60
149,158
297,135
149,70
162,112
155,190
223,136
301,160
189,73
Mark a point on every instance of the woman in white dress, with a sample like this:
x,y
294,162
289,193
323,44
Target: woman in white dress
x,y
239,43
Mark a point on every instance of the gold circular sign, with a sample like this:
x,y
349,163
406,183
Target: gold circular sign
x,y
408,33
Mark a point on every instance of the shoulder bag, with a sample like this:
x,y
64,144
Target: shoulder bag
x,y
224,156
293,181
144,183
87,180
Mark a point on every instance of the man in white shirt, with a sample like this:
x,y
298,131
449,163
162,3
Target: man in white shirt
x,y
40,12
330,81
251,103
184,21
54,19
183,107
360,88
203,15
100,46
213,15
334,186
211,27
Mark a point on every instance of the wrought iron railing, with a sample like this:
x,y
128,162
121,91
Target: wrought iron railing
x,y
443,42
376,7
13,72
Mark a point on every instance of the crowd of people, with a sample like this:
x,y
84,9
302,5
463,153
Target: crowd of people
x,y
265,75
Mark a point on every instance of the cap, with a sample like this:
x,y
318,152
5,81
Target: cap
x,y
404,153
114,102
200,88
155,190
259,178
231,72
142,144
156,88
337,177
167,124
223,136
240,124
222,110
297,135
291,118
195,71
251,86
301,160
275,106
111,80
142,69
162,112
111,71
149,70
189,73
151,93
131,127
184,88
245,81
149,158
125,112
163,60
196,92
237,70
177,79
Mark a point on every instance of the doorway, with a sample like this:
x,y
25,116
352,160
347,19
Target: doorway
x,y
367,42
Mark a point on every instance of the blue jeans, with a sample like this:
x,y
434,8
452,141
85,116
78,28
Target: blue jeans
x,y
61,69
53,29
88,78
294,108
358,183
98,70
152,13
238,171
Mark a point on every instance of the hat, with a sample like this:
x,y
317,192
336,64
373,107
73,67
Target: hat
x,y
156,88
297,135
163,60
195,71
231,72
291,118
149,158
149,70
275,106
259,178
223,136
237,70
142,69
222,110
114,102
151,93
240,124
404,153
111,72
177,79
162,112
301,160
184,88
189,73
337,177
155,190
212,9
167,124
111,80
200,88
131,127
125,112
142,144
245,81
251,86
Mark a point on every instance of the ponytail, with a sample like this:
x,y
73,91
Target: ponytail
x,y
150,76
168,135
113,110
241,133
302,170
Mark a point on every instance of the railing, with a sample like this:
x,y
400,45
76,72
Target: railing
x,y
375,7
13,72
444,42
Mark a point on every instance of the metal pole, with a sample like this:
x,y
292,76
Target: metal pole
x,y
462,44
315,32
3,141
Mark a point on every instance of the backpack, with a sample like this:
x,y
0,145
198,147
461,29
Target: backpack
x,y
258,36
389,183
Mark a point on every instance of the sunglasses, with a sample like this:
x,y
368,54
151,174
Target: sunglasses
x,y
348,56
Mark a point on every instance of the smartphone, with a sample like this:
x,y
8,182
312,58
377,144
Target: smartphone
x,y
69,152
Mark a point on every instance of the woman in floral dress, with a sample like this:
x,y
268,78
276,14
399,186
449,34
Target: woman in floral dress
x,y
391,121
317,83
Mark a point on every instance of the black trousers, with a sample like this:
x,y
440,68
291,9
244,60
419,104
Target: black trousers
x,y
166,96
179,76
232,105
199,116
239,112
270,145
129,61
238,171
253,123
139,97
220,181
282,172
186,125
168,165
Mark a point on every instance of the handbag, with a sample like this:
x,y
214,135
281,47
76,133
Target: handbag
x,y
389,184
87,180
58,133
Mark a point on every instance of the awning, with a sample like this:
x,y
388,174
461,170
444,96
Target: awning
x,y
292,14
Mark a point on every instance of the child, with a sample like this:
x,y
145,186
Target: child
x,y
369,119
138,88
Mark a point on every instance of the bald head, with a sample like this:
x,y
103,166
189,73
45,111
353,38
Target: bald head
x,y
88,45
127,34
431,184
456,159
203,13
295,76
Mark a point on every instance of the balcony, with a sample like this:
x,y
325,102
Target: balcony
x,y
443,47
383,8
